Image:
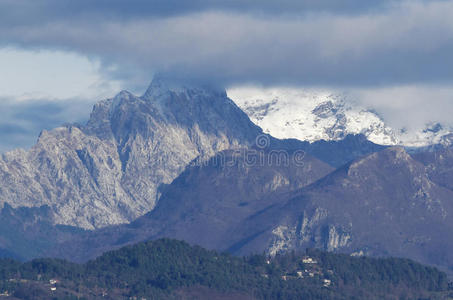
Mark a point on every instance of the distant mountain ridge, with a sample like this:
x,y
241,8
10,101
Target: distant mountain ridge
x,y
315,115
151,167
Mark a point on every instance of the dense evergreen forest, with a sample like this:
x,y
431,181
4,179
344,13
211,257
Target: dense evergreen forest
x,y
170,269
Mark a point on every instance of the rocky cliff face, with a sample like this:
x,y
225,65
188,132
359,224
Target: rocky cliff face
x,y
109,171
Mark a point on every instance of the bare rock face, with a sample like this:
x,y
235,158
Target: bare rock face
x,y
109,171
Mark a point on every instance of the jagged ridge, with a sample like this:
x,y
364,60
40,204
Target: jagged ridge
x,y
109,171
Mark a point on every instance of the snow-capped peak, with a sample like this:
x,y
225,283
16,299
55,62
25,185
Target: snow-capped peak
x,y
313,115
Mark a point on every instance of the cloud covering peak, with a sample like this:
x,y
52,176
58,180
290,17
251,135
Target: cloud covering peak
x,y
363,43
391,54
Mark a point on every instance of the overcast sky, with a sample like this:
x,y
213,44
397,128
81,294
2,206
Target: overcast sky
x,y
57,57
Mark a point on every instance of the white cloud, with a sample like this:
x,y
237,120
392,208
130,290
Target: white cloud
x,y
22,121
45,89
409,106
27,74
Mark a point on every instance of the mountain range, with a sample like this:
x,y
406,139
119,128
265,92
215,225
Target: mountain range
x,y
110,170
313,115
184,161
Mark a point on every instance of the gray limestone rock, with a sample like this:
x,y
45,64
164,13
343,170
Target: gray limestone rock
x,y
109,171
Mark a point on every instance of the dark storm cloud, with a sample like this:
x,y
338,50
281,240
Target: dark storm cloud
x,y
23,11
317,42
395,54
355,43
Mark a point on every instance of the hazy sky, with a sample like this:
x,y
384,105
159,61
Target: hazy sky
x,y
57,57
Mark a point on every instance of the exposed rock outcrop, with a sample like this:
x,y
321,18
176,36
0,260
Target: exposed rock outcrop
x,y
109,171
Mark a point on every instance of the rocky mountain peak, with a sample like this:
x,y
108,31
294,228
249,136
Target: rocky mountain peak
x,y
122,97
170,101
109,171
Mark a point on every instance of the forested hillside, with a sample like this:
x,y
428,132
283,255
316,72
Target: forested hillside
x,y
172,269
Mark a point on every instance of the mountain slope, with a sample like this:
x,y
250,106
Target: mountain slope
x,y
109,171
383,204
341,152
207,201
28,232
439,165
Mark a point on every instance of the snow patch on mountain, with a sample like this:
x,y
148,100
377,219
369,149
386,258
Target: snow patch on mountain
x,y
313,115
